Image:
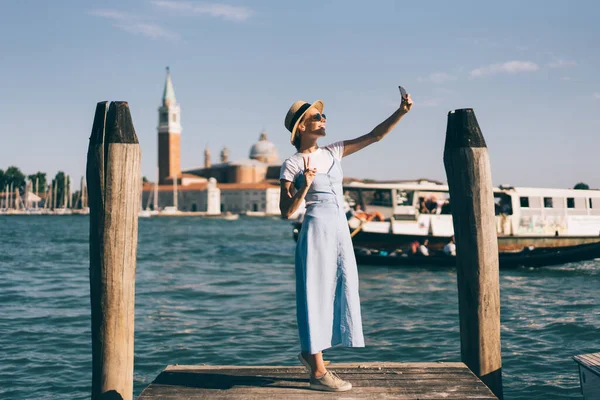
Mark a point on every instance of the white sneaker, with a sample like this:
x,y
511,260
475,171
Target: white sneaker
x,y
330,382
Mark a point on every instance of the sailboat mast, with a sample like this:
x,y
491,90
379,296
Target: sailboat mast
x,y
25,200
48,200
64,205
156,192
69,196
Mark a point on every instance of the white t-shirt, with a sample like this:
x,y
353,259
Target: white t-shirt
x,y
320,159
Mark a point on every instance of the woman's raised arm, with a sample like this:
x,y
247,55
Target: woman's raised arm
x,y
354,145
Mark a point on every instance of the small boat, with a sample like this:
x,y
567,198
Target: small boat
x,y
62,211
169,210
231,217
144,213
589,375
228,216
82,211
529,257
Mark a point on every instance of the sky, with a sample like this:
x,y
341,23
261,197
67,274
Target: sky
x,y
529,70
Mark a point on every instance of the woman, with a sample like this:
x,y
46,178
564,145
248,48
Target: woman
x,y
327,300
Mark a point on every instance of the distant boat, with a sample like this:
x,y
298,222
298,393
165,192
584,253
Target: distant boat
x,y
144,213
530,258
82,211
169,210
228,216
62,211
534,226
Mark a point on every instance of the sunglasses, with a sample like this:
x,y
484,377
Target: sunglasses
x,y
318,117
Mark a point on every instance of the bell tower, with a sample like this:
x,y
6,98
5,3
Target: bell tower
x,y
169,134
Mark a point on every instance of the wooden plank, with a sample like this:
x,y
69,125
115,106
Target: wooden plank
x,y
370,381
590,361
437,364
387,393
212,381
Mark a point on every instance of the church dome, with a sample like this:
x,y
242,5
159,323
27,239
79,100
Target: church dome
x,y
263,150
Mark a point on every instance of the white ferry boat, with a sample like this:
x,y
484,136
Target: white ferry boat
x,y
535,226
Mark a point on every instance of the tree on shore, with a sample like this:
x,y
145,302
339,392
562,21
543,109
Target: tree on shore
x,y
581,186
14,176
41,180
62,187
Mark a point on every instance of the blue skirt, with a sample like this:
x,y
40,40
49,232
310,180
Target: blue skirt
x,y
327,299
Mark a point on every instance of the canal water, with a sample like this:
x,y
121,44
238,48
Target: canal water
x,y
222,292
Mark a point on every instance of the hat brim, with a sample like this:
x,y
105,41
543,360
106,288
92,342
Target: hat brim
x,y
319,105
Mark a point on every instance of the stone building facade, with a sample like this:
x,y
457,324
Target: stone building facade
x,y
245,186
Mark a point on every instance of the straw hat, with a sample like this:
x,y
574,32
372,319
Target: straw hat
x,y
295,113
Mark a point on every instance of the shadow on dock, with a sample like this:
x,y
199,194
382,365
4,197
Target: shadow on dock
x,y
370,381
221,381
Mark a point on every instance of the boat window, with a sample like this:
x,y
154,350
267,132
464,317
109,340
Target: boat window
x,y
377,197
570,202
547,202
502,204
404,198
524,202
434,203
591,203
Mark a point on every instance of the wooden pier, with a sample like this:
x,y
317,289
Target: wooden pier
x,y
435,380
113,172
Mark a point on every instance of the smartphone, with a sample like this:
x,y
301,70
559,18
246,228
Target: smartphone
x,y
402,92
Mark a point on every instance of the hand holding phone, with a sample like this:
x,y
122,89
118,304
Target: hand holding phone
x,y
406,102
402,92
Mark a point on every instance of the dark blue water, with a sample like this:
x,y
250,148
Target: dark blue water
x,y
222,292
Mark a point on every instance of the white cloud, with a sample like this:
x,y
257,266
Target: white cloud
x,y
437,77
111,14
135,24
510,67
227,12
597,95
566,78
149,30
429,103
560,63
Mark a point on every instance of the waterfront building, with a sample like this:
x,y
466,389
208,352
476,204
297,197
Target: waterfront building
x,y
244,186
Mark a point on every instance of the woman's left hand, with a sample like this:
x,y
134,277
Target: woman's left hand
x,y
406,104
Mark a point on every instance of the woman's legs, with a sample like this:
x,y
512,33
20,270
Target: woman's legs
x,y
316,363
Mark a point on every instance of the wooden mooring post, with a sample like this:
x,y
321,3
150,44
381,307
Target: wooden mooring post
x,y
469,176
113,175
